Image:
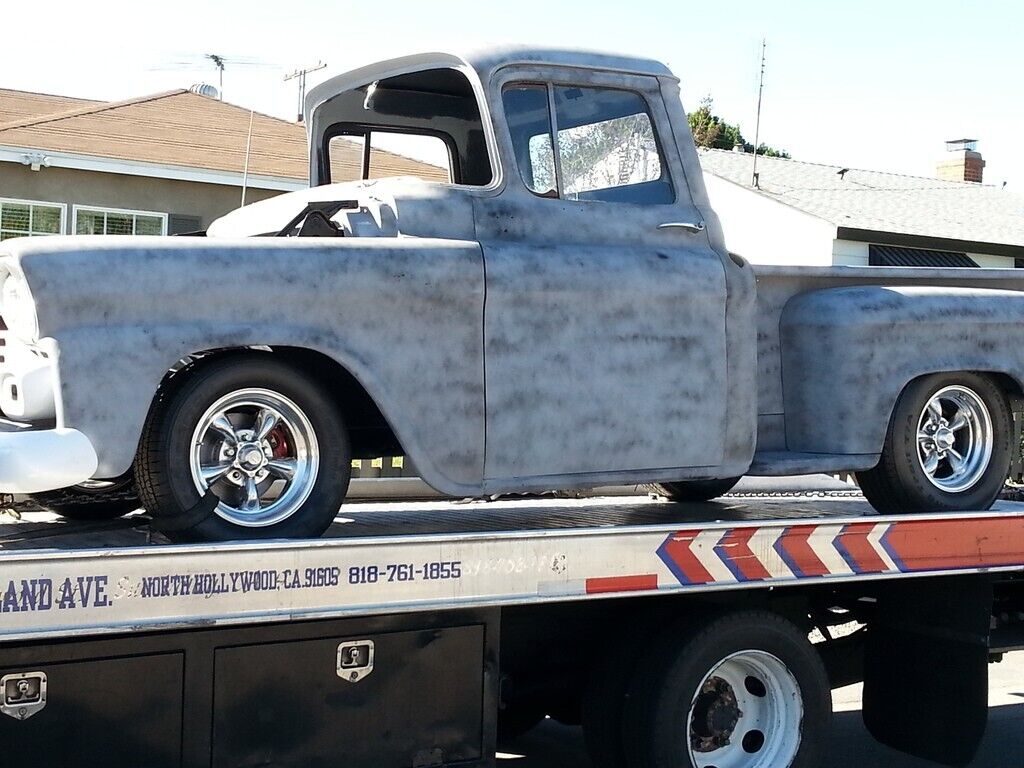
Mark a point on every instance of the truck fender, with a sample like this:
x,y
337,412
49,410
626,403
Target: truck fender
x,y
848,353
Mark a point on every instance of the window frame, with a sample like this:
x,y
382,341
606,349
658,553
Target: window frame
x,y
549,85
63,214
128,211
555,159
366,130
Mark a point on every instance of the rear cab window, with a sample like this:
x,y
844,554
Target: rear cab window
x,y
377,154
607,148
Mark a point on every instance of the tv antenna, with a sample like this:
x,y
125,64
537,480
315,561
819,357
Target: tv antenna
x,y
757,125
218,62
301,75
196,62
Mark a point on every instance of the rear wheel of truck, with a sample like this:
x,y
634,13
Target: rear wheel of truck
x,y
747,690
948,447
695,490
245,447
93,500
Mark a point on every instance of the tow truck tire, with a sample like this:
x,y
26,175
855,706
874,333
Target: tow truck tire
x,y
746,690
695,490
95,500
208,471
924,422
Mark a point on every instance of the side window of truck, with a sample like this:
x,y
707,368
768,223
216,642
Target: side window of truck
x,y
607,147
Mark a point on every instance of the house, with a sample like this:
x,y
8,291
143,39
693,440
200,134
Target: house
x,y
821,215
161,164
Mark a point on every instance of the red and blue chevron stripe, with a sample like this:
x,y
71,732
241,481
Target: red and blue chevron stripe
x,y
823,550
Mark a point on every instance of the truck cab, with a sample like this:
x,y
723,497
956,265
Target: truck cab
x,y
577,175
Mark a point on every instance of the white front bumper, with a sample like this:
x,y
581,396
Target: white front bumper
x,y
34,460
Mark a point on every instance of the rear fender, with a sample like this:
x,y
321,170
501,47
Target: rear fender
x,y
848,353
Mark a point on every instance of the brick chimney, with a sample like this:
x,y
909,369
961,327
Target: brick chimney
x,y
962,163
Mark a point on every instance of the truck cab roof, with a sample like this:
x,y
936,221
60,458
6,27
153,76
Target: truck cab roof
x,y
483,62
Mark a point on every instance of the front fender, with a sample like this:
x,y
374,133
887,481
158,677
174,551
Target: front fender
x,y
848,353
402,315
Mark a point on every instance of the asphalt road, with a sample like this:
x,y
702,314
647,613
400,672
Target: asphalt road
x,y
552,745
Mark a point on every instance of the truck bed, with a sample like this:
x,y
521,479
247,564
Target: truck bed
x,y
827,354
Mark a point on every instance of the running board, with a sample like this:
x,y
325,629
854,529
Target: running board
x,y
779,463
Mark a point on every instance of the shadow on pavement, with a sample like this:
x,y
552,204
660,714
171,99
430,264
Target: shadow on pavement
x,y
552,745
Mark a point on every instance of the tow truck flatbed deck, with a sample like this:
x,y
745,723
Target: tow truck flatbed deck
x,y
59,579
472,615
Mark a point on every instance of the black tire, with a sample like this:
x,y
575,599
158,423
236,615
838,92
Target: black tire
x,y
696,490
93,501
898,483
162,472
656,730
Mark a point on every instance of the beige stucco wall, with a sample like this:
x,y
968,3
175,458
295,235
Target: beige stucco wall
x,y
112,190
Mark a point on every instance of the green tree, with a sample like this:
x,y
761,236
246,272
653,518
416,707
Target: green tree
x,y
709,130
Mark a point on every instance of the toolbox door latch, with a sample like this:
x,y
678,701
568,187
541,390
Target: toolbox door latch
x,y
355,660
24,694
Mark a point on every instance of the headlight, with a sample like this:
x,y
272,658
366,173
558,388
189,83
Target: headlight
x,y
18,308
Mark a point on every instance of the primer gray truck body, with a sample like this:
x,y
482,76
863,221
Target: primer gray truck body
x,y
512,342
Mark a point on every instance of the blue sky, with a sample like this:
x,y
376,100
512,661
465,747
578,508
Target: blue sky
x,y
877,85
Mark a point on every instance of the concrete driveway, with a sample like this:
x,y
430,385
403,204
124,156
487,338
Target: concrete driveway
x,y
551,745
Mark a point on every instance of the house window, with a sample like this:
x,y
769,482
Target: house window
x,y
114,221
25,218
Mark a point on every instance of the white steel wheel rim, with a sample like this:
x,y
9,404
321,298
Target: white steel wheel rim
x,y
257,452
746,713
954,439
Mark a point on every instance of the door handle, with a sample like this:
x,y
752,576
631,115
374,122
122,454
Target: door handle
x,y
692,228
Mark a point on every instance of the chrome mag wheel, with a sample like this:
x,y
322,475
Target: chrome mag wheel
x,y
256,451
747,713
954,439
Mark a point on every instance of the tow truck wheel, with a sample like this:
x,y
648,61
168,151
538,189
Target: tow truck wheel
x,y
245,447
948,447
745,691
695,490
94,499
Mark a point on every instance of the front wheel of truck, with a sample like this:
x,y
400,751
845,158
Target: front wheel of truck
x,y
947,449
243,448
695,490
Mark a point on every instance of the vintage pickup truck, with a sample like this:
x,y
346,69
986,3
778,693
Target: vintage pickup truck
x,y
558,310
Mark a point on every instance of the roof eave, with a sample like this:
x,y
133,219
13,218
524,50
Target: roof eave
x,y
933,243
98,164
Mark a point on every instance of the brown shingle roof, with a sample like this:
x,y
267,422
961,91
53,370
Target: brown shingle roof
x,y
179,128
23,105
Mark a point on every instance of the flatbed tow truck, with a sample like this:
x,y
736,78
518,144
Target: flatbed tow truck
x,y
412,633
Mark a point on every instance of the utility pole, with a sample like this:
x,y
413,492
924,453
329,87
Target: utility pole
x,y
757,127
301,75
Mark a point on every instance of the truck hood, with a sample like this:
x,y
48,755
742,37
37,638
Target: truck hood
x,y
377,208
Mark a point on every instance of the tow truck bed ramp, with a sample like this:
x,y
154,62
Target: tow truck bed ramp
x,y
60,580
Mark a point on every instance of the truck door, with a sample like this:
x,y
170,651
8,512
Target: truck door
x,y
604,325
